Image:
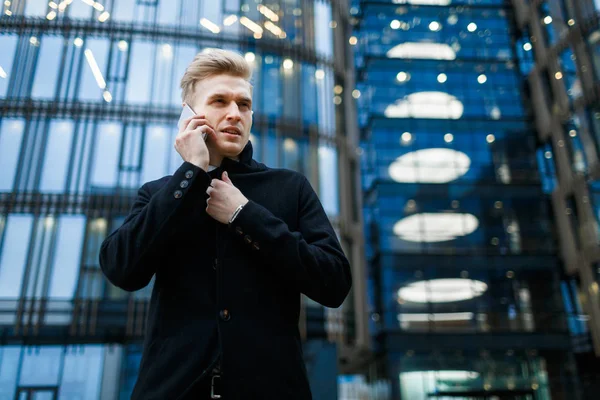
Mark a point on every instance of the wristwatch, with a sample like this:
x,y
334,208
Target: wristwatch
x,y
235,213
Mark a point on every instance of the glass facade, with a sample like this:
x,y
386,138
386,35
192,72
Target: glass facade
x,y
89,99
564,35
466,292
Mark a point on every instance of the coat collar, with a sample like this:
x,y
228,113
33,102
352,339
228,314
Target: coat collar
x,y
245,162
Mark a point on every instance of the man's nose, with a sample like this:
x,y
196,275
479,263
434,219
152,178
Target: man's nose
x,y
233,113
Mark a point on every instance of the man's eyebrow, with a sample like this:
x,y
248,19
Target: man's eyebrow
x,y
241,98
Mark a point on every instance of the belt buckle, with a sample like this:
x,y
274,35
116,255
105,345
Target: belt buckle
x,y
214,395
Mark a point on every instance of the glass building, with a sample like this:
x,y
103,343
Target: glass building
x,y
467,295
89,100
562,38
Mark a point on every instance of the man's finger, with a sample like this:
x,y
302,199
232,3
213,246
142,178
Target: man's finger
x,y
225,178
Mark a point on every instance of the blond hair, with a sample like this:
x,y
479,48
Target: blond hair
x,y
210,63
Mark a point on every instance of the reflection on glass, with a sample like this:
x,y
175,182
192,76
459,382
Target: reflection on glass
x,y
56,159
106,159
328,180
426,50
430,166
66,257
47,67
442,290
14,254
11,136
426,105
435,227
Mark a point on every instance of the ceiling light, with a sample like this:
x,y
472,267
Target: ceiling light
x,y
395,24
558,75
442,290
230,20
442,78
406,138
251,25
547,19
123,45
319,74
426,105
490,138
267,12
482,78
250,57
424,50
95,68
356,93
78,42
435,26
3,73
107,96
274,29
353,40
211,26
448,138
435,317
288,64
402,76
438,165
104,16
527,46
337,89
472,27
51,15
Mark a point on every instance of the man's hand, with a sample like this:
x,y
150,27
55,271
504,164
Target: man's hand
x,y
190,144
223,199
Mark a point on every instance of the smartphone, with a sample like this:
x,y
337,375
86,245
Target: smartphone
x,y
186,113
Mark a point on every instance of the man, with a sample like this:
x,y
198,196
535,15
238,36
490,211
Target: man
x,y
232,244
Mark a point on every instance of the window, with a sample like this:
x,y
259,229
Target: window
x,y
66,257
106,159
13,258
140,65
94,78
56,160
11,136
8,44
328,180
47,67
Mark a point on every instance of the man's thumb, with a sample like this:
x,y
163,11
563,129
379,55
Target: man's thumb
x,y
225,177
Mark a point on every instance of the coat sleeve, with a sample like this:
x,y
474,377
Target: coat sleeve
x,y
311,259
130,255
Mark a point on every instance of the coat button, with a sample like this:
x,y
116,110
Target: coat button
x,y
189,174
238,229
248,239
225,315
178,194
184,184
256,246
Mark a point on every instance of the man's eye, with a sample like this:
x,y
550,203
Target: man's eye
x,y
220,101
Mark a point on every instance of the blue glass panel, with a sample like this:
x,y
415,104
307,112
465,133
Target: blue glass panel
x,y
11,136
106,159
67,257
57,156
93,79
8,45
47,67
140,66
41,366
15,247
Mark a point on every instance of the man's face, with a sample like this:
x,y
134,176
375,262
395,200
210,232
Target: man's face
x,y
226,102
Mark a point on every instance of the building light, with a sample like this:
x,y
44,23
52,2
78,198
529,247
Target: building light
x,y
442,290
353,40
482,79
547,20
430,51
95,69
267,12
435,26
448,138
426,105
490,138
104,16
319,74
211,26
356,93
288,64
251,25
441,78
78,42
395,24
434,165
527,46
250,57
472,27
230,20
123,45
402,76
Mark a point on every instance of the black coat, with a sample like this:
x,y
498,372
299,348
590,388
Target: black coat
x,y
228,290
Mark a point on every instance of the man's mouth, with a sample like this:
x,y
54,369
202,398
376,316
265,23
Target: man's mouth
x,y
232,130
